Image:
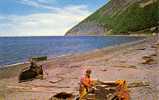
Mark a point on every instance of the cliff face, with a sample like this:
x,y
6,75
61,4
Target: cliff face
x,y
120,17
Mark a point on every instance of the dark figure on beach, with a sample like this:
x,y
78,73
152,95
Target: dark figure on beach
x,y
33,72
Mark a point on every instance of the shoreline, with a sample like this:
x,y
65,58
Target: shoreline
x,y
17,67
52,57
65,55
108,64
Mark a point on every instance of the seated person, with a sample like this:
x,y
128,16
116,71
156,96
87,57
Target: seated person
x,y
86,84
121,91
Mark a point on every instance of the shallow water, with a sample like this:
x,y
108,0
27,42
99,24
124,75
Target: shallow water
x,y
19,49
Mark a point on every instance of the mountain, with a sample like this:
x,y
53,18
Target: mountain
x,y
120,17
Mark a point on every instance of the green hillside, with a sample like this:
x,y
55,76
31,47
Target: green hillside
x,y
123,17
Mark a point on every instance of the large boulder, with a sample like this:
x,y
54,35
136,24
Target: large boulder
x,y
33,72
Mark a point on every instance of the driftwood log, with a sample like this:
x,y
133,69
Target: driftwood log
x,y
107,90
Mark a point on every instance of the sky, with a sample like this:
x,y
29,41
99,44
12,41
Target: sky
x,y
43,17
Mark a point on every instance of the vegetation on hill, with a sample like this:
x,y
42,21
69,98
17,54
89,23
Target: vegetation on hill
x,y
122,17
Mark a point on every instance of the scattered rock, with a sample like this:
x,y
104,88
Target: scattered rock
x,y
34,72
62,96
126,66
56,81
157,44
132,66
104,70
74,66
141,49
153,55
27,75
154,46
123,61
148,60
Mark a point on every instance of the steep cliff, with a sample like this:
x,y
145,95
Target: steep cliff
x,y
120,17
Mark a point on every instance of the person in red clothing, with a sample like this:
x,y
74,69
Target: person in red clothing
x,y
85,84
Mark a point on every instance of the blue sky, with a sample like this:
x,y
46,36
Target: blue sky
x,y
43,17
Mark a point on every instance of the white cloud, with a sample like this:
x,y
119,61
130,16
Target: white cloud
x,y
54,23
38,3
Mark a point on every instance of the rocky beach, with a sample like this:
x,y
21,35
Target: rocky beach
x,y
133,62
124,46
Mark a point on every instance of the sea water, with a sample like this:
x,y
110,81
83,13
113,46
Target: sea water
x,y
19,49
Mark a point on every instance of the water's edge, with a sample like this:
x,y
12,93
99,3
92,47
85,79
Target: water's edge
x,y
19,49
13,70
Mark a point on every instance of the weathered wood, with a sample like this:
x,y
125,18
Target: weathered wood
x,y
138,84
130,85
107,90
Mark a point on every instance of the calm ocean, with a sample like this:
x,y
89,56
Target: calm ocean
x,y
19,49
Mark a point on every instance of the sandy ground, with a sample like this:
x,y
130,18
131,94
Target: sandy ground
x,y
63,74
